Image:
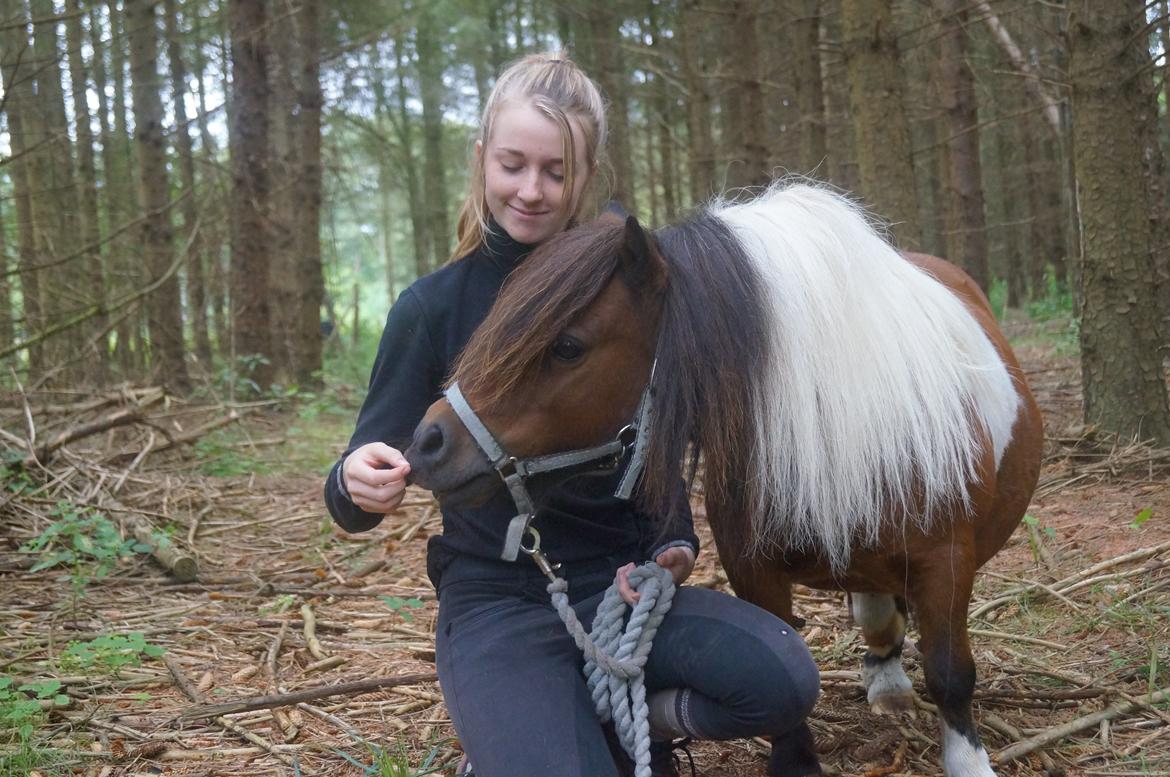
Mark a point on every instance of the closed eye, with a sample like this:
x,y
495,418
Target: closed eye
x,y
567,349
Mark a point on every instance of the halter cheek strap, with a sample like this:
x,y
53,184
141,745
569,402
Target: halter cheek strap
x,y
515,472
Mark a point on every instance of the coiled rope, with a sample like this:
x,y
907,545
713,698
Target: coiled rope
x,y
616,652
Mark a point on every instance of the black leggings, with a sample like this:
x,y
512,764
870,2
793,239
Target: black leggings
x,y
512,680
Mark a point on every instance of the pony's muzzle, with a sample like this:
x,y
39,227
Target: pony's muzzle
x,y
445,460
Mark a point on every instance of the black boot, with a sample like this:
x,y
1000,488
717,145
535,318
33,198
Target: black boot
x,y
794,754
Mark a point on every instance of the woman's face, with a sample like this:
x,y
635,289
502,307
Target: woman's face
x,y
524,173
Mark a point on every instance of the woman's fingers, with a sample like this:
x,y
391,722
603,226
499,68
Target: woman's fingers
x,y
628,594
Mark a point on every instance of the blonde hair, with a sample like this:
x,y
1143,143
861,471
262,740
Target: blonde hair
x,y
560,90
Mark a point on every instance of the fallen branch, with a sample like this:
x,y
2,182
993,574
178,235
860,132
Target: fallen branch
x,y
121,417
1058,733
308,694
176,560
194,695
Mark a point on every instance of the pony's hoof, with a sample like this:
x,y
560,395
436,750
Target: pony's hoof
x,y
894,703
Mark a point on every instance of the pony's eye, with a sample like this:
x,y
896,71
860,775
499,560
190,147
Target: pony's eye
x,y
567,349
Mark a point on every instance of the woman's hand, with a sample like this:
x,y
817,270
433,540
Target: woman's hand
x,y
679,561
375,477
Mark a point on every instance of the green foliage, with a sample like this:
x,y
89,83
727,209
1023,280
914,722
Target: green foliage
x,y
109,653
395,762
20,718
85,541
20,709
402,606
237,378
1140,519
280,604
1046,531
1057,302
13,475
223,453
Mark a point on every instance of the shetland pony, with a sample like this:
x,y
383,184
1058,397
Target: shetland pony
x,y
861,420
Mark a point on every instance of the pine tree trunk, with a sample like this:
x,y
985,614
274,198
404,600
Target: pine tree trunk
x,y
214,231
88,196
129,349
405,128
804,33
282,181
6,310
164,305
663,118
191,233
17,71
968,225
842,167
749,148
610,72
312,277
879,116
1124,380
386,214
430,76
55,206
250,239
695,61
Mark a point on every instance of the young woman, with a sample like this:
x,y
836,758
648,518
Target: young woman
x,y
510,673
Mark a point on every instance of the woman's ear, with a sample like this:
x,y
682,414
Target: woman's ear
x,y
479,148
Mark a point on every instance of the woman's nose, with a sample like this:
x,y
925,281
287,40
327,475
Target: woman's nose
x,y
530,190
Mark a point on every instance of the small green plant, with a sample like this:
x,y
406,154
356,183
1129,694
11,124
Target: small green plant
x,y
20,708
402,606
1140,519
1034,536
280,604
86,542
109,653
13,474
395,762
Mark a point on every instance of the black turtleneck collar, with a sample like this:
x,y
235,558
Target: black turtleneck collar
x,y
503,251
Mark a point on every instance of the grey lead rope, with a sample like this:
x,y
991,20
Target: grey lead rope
x,y
616,653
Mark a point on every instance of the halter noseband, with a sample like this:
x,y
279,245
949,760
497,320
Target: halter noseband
x,y
515,472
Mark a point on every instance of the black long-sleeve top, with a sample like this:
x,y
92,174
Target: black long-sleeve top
x,y
425,331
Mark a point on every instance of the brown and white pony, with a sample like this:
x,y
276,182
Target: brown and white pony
x,y
862,422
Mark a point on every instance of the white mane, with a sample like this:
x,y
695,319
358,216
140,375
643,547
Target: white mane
x,y
880,385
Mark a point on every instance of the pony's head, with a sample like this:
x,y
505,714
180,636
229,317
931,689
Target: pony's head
x,y
559,363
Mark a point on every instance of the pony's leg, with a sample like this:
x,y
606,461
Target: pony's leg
x,y
940,605
882,618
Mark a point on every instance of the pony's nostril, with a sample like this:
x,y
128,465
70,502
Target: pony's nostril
x,y
430,442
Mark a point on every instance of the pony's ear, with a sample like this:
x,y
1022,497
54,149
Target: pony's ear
x,y
641,263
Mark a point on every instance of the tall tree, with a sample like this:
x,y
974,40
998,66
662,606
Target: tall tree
x,y
163,305
88,195
250,262
16,68
696,67
804,34
968,224
123,208
54,199
214,231
429,45
1124,381
746,123
662,116
606,63
6,330
879,116
189,235
283,117
312,280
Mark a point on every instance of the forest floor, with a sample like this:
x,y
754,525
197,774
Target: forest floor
x,y
1070,619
